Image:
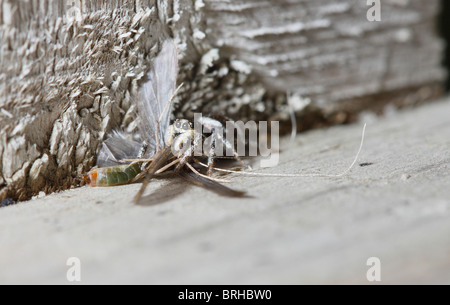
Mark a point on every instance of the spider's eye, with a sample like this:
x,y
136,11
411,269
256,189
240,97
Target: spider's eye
x,y
185,126
177,124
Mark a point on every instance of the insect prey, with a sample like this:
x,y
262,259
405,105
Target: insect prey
x,y
159,144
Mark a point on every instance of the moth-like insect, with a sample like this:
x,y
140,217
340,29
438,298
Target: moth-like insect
x,y
160,144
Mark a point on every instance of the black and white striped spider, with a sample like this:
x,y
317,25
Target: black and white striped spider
x,y
186,141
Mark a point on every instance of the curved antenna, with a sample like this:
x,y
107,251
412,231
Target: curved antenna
x,y
299,175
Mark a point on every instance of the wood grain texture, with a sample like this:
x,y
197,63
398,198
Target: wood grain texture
x,y
328,50
69,69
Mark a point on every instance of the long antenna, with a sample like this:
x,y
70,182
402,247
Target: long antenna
x,y
298,175
162,113
170,101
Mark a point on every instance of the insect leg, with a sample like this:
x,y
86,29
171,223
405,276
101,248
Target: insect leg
x,y
158,162
230,147
204,176
211,155
162,169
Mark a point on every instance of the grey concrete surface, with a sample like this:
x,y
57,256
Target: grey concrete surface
x,y
294,230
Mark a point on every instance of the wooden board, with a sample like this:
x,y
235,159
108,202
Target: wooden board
x,y
69,70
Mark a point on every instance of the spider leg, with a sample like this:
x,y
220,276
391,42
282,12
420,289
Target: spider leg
x,y
204,176
184,157
231,148
211,155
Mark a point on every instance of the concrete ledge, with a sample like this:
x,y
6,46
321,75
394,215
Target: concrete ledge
x,y
295,230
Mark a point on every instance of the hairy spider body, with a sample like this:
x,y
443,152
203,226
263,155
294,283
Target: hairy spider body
x,y
187,141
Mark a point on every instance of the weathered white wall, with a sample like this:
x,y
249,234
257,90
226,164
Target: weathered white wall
x,y
327,49
69,69
68,72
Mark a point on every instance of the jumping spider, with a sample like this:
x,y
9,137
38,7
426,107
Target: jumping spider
x,y
185,140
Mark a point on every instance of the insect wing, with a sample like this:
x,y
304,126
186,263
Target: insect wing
x,y
154,107
116,148
210,184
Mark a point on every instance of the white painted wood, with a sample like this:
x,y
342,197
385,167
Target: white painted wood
x,y
69,69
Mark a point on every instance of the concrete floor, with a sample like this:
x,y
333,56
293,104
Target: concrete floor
x,y
294,230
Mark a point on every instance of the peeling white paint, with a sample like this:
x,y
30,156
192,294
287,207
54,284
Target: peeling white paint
x,y
39,168
298,102
208,60
199,35
291,28
241,66
16,154
199,4
6,113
